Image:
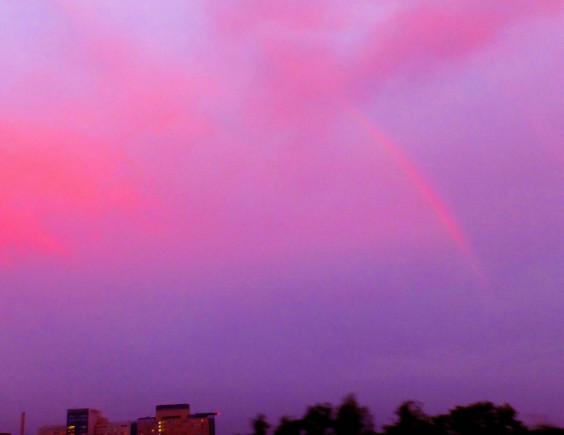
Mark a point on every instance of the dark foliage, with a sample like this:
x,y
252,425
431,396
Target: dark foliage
x,y
289,426
260,425
323,419
353,419
411,420
349,418
482,418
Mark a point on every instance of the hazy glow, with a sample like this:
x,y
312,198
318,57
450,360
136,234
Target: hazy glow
x,y
188,212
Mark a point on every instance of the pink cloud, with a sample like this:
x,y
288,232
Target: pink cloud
x,y
415,39
250,145
47,174
307,67
310,54
114,85
244,17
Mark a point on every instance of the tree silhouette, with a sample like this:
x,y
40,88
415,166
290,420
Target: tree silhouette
x,y
289,426
349,418
318,420
483,418
260,425
353,419
411,420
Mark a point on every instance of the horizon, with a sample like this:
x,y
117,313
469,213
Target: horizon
x,y
530,421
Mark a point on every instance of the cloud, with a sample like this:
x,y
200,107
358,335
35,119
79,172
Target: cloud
x,y
247,142
417,39
50,175
307,55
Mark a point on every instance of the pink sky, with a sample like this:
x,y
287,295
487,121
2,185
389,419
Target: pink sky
x,y
307,199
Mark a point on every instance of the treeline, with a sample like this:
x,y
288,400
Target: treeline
x,y
349,418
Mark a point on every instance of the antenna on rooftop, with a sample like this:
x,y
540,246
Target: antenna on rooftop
x,y
22,424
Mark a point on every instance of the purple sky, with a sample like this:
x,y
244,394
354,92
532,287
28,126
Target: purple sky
x,y
254,206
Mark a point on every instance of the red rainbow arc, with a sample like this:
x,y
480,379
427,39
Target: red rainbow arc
x,y
424,187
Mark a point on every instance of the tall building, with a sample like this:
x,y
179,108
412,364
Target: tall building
x,y
144,426
87,422
177,420
104,427
82,421
168,420
172,412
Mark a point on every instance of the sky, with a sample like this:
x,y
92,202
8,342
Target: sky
x,y
258,206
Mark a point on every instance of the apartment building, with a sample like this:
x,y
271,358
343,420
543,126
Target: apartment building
x,y
174,419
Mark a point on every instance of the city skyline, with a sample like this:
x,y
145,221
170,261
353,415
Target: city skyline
x,y
169,419
257,206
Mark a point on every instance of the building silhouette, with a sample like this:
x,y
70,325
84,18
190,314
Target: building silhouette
x,y
173,419
177,420
82,421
